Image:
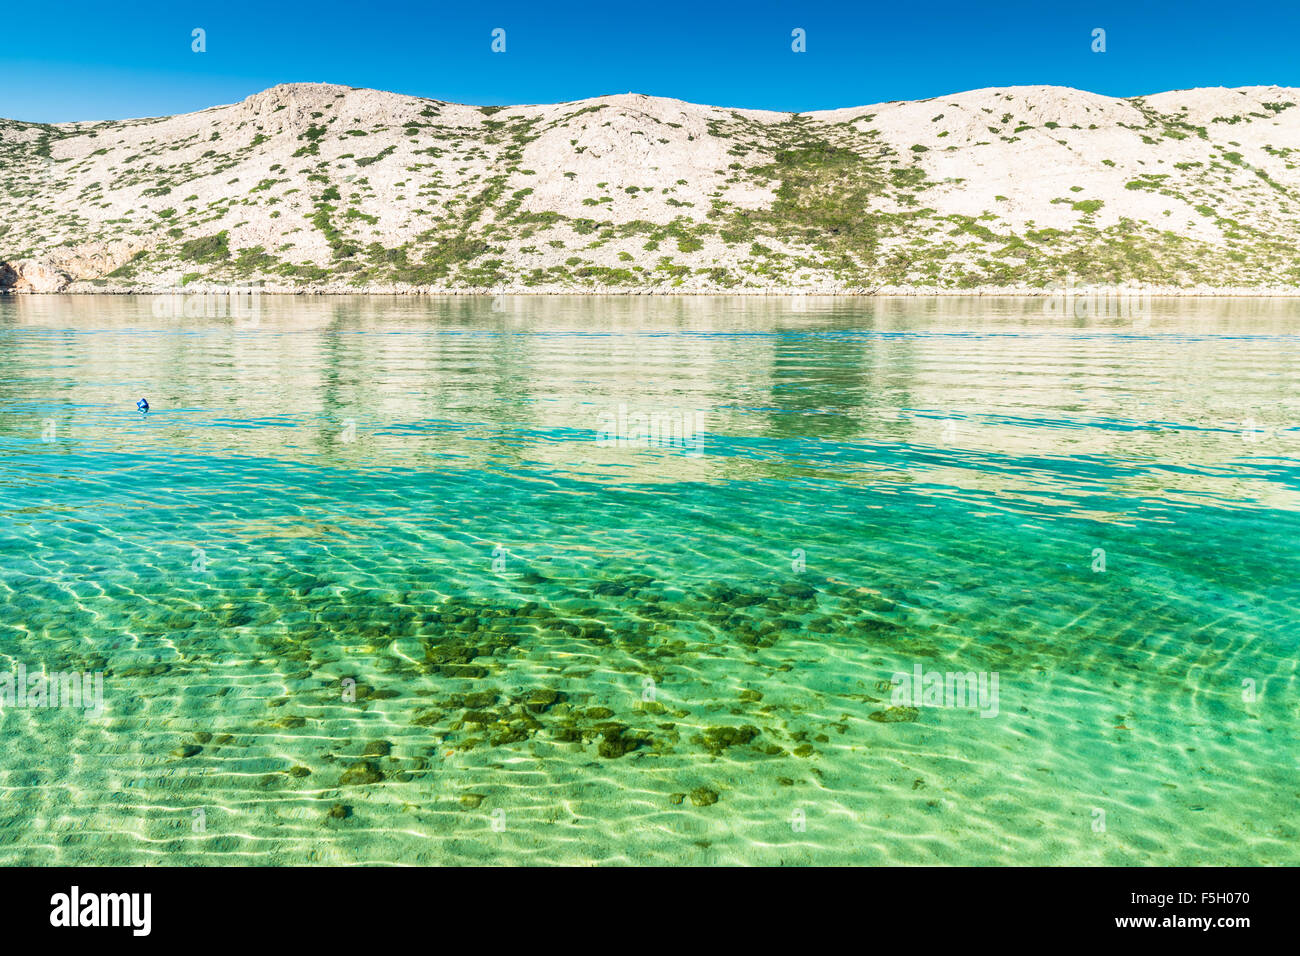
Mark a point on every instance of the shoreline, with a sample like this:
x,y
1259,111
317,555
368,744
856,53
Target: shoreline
x,y
1095,293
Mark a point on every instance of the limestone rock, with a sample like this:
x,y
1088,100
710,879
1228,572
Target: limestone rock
x,y
31,275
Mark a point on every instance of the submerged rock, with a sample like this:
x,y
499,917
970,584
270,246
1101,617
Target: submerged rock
x,y
470,672
541,700
794,589
617,740
717,739
361,772
512,734
895,715
704,797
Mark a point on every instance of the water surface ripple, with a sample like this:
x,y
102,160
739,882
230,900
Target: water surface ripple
x,y
404,581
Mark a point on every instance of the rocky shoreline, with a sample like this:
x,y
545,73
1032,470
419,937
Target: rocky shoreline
x,y
919,292
33,277
38,278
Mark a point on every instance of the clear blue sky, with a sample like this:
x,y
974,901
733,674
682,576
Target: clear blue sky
x,y
101,60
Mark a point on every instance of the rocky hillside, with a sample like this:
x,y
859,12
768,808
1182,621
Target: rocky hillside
x,y
328,188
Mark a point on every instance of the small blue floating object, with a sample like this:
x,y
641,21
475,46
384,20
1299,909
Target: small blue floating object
x,y
143,405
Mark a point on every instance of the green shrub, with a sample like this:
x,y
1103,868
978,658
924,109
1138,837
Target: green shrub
x,y
207,249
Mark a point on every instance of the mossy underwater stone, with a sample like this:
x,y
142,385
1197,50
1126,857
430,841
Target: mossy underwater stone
x,y
361,772
427,718
567,733
794,589
541,699
895,715
717,739
512,734
466,671
704,797
617,740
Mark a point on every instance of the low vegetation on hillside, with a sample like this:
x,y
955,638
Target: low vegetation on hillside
x,y
313,186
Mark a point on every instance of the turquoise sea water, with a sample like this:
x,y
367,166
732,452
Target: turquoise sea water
x,y
401,581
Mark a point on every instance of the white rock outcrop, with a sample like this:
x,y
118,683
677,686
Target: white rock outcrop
x,y
30,275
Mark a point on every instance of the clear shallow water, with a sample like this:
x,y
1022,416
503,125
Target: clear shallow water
x,y
573,650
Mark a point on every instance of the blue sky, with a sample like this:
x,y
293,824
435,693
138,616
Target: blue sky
x,y
75,60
